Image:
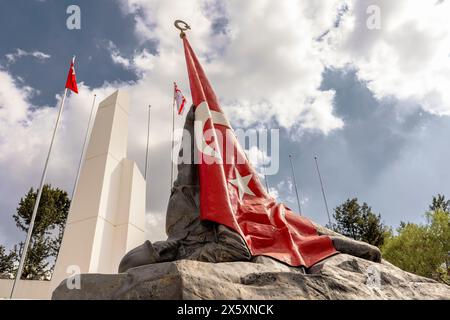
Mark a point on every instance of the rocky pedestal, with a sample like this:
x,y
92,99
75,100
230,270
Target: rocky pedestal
x,y
339,277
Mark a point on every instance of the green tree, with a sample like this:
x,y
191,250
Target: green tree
x,y
47,232
423,249
359,222
439,203
7,261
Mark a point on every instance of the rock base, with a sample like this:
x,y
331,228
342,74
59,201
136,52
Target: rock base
x,y
339,277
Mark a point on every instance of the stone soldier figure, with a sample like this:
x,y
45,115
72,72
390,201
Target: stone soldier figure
x,y
191,238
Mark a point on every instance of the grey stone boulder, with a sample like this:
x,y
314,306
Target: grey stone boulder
x,y
339,277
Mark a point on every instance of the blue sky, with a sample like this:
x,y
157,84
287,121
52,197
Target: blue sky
x,y
373,105
41,25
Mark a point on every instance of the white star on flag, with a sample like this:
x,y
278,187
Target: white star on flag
x,y
241,183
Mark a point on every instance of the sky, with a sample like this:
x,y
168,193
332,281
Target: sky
x,y
362,85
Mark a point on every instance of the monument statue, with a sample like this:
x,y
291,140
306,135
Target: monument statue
x,y
218,210
191,238
206,260
229,239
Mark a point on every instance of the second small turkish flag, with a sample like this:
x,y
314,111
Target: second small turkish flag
x,y
71,82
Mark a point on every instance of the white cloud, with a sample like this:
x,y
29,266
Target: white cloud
x,y
12,57
140,62
155,227
144,61
287,188
407,58
257,157
116,57
13,106
268,63
253,57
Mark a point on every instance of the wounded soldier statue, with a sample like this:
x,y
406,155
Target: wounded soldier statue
x,y
219,211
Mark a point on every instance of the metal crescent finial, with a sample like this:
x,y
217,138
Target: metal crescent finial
x,y
183,27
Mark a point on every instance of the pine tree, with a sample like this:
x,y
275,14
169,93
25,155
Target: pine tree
x,y
439,203
47,232
6,263
359,222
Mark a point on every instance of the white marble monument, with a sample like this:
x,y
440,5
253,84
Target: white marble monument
x,y
107,217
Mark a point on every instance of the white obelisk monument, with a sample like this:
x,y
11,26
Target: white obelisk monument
x,y
107,216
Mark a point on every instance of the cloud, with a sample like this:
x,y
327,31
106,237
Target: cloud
x,y
395,160
248,58
140,62
257,157
407,58
13,57
116,56
252,49
284,192
155,227
117,59
13,105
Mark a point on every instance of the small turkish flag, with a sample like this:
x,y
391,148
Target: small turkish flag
x,y
71,82
179,98
231,193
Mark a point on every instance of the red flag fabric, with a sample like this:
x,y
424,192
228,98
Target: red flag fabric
x,y
179,98
231,193
71,82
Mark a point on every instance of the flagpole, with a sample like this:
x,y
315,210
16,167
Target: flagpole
x,y
38,199
148,138
323,191
171,150
83,150
295,185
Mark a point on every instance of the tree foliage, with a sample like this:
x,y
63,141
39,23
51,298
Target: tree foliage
x,y
423,249
6,262
359,222
47,232
439,203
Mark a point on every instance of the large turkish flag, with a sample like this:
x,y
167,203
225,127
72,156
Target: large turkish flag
x,y
231,193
